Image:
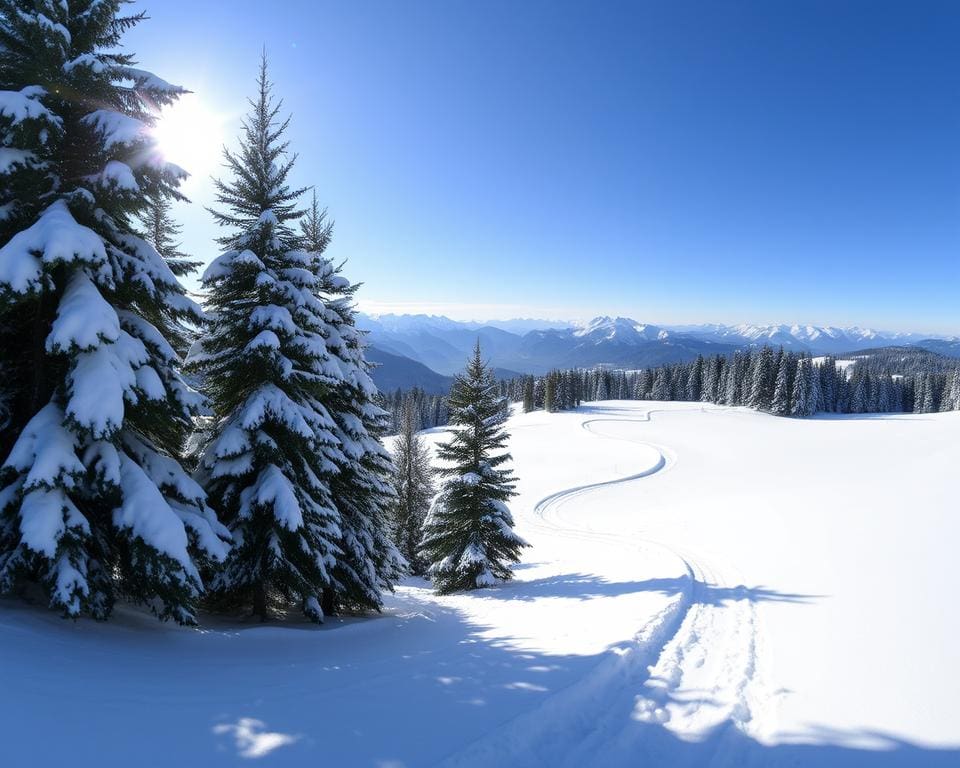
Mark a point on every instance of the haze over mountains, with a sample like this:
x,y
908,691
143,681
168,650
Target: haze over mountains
x,y
425,350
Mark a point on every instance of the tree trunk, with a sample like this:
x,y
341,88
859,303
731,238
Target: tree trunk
x,y
326,602
260,601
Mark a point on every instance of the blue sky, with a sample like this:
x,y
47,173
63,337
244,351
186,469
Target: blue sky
x,y
670,161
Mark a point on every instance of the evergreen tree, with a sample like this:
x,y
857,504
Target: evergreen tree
x,y
815,396
802,401
661,385
780,404
730,384
763,380
695,382
369,563
163,233
645,384
952,398
601,391
93,503
858,398
270,458
550,393
929,394
413,486
468,539
538,393
528,394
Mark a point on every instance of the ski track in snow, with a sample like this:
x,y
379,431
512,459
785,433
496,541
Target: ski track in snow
x,y
692,668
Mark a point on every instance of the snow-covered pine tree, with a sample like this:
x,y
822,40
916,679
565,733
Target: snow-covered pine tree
x,y
830,385
550,393
413,485
780,404
661,384
801,403
162,231
730,383
94,504
269,458
528,394
369,562
858,397
929,394
952,396
645,384
601,389
468,538
763,380
695,382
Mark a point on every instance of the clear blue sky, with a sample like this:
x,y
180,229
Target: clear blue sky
x,y
671,161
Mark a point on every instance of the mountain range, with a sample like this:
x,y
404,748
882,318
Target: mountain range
x,y
426,350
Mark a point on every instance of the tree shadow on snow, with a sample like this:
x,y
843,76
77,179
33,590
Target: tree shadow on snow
x,y
581,586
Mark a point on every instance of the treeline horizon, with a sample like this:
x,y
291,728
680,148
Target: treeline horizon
x,y
780,382
783,383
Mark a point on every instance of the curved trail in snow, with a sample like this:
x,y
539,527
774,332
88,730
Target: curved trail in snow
x,y
692,669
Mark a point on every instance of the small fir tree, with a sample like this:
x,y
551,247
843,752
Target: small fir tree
x,y
469,541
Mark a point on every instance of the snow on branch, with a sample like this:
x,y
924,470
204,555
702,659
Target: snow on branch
x,y
55,237
117,128
25,104
84,318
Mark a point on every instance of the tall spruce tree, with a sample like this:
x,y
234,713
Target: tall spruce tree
x,y
93,503
780,404
802,402
601,392
550,393
413,486
468,540
528,394
763,380
369,562
661,385
264,358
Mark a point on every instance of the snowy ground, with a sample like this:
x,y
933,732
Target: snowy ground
x,y
706,586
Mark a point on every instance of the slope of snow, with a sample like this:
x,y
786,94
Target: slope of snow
x,y
705,586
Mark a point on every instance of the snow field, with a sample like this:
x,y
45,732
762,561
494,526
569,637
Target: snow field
x,y
705,586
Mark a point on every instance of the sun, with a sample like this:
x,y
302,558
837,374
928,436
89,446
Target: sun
x,y
190,134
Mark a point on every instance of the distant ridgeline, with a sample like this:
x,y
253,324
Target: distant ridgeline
x,y
887,380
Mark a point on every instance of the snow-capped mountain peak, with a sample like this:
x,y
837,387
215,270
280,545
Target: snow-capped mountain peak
x,y
623,330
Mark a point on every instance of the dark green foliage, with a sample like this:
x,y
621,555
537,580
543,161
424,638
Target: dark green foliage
x,y
268,461
468,539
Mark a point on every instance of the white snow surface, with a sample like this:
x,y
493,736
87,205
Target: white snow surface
x,y
705,586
